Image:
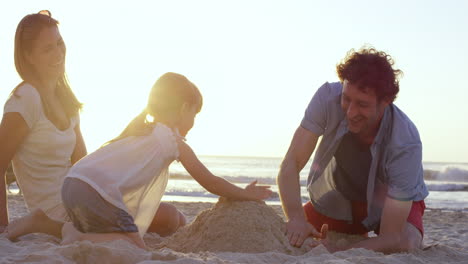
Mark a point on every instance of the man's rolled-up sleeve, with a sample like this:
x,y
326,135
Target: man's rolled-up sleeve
x,y
315,117
404,173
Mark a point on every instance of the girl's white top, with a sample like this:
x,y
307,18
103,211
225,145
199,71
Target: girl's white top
x,y
43,158
132,173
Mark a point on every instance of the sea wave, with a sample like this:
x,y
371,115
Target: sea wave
x,y
448,173
433,187
234,179
245,170
206,194
447,187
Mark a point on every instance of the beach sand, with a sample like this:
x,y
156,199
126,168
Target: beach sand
x,y
234,232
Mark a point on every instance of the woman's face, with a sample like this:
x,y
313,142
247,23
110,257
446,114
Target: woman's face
x,y
48,54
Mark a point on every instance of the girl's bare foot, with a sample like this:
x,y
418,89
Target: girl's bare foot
x,y
70,234
26,225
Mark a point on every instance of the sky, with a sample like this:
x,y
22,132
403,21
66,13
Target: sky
x,y
256,63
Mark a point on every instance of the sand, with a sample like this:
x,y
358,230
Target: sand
x,y
240,232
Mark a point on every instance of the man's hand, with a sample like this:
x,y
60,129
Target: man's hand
x,y
3,229
298,229
330,246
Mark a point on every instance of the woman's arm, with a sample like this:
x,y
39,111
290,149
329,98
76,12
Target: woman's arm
x,y
217,185
13,130
80,147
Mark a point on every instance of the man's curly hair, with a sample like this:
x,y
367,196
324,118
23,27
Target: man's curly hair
x,y
370,68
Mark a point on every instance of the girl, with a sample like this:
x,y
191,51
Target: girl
x,y
40,129
114,192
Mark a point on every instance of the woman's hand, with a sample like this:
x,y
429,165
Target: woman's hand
x,y
256,192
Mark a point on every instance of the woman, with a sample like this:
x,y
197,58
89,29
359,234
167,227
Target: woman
x,y
40,132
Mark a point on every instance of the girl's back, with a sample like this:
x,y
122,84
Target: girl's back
x,y
131,173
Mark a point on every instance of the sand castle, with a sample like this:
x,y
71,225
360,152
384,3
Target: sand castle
x,y
234,226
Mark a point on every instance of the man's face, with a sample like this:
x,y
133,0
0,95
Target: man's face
x,y
362,109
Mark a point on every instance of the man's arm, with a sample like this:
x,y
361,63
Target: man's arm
x,y
13,130
299,152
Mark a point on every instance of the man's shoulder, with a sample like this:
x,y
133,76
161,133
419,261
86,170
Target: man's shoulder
x,y
330,88
329,94
403,131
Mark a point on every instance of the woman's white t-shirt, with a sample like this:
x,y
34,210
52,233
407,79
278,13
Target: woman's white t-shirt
x,y
43,158
132,173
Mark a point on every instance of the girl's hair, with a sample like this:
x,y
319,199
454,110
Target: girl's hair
x,y
27,32
170,92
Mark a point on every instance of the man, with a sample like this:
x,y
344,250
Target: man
x,y
367,172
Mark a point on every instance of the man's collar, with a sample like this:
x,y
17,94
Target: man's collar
x,y
384,125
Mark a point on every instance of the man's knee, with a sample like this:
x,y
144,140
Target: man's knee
x,y
411,239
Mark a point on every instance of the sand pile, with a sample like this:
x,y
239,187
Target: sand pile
x,y
234,226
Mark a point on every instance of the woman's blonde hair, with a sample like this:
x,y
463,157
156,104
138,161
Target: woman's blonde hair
x,y
27,32
167,97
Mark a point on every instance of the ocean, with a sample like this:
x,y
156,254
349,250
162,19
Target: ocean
x,y
447,182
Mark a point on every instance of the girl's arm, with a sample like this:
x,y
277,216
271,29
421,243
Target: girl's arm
x,y
217,185
80,147
13,130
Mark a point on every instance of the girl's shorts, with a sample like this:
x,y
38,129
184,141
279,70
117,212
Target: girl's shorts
x,y
90,213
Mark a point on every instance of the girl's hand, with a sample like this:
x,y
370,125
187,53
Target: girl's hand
x,y
258,192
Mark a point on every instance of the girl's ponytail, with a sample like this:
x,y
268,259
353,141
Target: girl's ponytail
x,y
139,126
